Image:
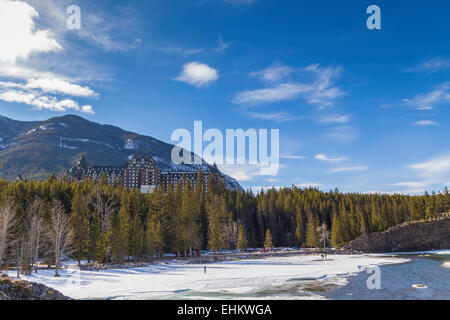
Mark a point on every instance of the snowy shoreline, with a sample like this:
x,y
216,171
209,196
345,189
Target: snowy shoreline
x,y
169,280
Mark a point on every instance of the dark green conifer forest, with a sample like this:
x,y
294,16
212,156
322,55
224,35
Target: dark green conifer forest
x,y
94,221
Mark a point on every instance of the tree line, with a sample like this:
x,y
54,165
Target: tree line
x,y
92,220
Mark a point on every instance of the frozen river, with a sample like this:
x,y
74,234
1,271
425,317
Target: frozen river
x,y
293,277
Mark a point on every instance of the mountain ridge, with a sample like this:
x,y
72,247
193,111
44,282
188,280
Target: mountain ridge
x,y
37,149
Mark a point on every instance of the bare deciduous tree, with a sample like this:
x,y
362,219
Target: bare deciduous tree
x,y
34,233
7,223
104,203
324,236
59,233
231,232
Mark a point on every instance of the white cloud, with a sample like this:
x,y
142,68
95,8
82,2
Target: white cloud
x,y
348,169
431,66
26,50
425,123
273,74
320,90
118,28
278,117
40,101
177,50
428,101
435,167
282,92
323,157
342,119
414,185
198,74
60,86
19,37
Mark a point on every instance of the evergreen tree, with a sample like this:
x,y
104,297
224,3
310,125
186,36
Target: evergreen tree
x,y
216,210
80,225
242,241
300,232
136,241
268,242
154,236
121,231
312,233
190,217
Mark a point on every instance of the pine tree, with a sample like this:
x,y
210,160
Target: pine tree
x,y
216,210
137,237
80,225
121,231
242,240
336,232
312,234
268,243
190,216
154,237
94,236
300,233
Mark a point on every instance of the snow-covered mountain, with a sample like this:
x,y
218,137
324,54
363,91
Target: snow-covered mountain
x,y
36,149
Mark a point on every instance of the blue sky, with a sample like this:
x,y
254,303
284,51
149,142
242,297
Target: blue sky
x,y
357,109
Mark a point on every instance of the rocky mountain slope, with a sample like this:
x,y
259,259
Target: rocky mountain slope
x,y
38,149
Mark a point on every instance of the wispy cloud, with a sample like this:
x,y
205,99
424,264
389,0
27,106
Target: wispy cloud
x,y
415,185
323,157
437,166
428,101
431,66
222,45
177,50
282,92
425,123
278,117
349,169
274,73
319,91
340,119
198,74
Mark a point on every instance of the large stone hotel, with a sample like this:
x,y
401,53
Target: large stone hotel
x,y
141,172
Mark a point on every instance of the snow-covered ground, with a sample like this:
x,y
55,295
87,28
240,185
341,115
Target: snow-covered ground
x,y
438,252
163,281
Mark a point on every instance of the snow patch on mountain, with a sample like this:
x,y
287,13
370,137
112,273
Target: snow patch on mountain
x,y
44,127
130,145
7,145
86,141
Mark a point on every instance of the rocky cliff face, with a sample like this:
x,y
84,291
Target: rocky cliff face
x,y
24,290
418,236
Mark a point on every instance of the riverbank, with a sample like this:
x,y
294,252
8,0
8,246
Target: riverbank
x,y
257,278
16,289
